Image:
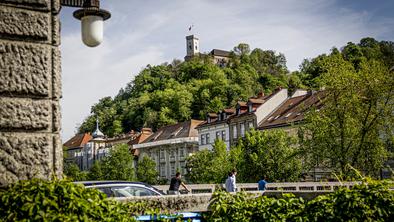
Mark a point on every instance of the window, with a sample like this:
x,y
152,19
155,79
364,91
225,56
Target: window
x,y
162,154
235,131
242,126
224,135
172,154
217,134
182,165
250,125
181,152
208,139
202,139
172,166
163,169
131,192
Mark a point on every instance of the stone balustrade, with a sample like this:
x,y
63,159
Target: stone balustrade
x,y
198,200
272,187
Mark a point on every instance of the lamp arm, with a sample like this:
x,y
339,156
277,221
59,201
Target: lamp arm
x,y
81,3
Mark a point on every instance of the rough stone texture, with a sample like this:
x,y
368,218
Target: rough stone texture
x,y
55,6
56,74
25,114
24,156
25,68
56,117
30,89
175,203
55,31
24,23
200,202
57,156
34,4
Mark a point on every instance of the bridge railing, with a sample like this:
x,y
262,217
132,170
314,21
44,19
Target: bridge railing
x,y
299,186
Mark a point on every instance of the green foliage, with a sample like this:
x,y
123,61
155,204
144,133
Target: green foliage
x,y
60,200
169,93
146,171
40,200
96,171
118,165
211,166
72,171
271,153
367,49
364,202
349,129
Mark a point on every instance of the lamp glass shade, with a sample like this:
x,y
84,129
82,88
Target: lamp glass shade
x,y
92,30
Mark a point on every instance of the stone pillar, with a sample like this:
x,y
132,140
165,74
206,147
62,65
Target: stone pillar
x,y
30,89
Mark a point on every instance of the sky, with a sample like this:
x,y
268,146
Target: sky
x,y
153,32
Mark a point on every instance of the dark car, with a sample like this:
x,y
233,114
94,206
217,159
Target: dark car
x,y
119,189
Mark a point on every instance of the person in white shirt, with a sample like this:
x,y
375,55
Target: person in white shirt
x,y
230,183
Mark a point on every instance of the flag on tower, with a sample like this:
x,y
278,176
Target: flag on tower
x,y
190,27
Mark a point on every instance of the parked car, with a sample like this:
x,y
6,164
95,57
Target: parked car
x,y
118,189
185,216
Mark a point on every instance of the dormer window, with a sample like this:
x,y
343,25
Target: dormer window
x,y
238,109
219,116
224,116
250,107
208,119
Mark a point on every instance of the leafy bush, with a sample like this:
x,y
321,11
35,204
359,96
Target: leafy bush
x,y
60,200
364,202
372,202
57,200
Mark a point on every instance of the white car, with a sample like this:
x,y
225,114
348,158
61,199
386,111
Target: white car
x,y
118,189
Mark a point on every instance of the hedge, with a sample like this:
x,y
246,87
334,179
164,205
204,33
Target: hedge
x,y
61,200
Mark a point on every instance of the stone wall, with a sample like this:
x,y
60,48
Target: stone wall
x,y
30,89
200,202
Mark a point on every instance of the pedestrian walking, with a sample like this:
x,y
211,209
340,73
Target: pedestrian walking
x,y
175,183
230,183
262,184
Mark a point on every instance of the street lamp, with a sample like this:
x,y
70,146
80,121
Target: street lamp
x,y
91,17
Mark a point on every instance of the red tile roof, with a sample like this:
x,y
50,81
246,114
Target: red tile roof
x,y
145,134
293,110
179,130
78,141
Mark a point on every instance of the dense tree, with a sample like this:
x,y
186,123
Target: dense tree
x,y
358,110
271,153
118,165
72,171
367,49
168,93
146,171
211,166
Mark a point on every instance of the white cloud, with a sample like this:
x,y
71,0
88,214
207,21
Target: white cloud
x,y
153,31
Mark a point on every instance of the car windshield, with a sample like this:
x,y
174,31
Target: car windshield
x,y
129,191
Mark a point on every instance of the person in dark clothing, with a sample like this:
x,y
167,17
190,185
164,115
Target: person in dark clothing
x,y
262,184
175,183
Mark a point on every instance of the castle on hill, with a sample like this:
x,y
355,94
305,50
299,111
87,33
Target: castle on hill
x,y
219,57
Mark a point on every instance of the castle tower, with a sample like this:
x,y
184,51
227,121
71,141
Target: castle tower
x,y
192,46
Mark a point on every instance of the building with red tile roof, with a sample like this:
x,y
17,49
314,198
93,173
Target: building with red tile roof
x,y
169,146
